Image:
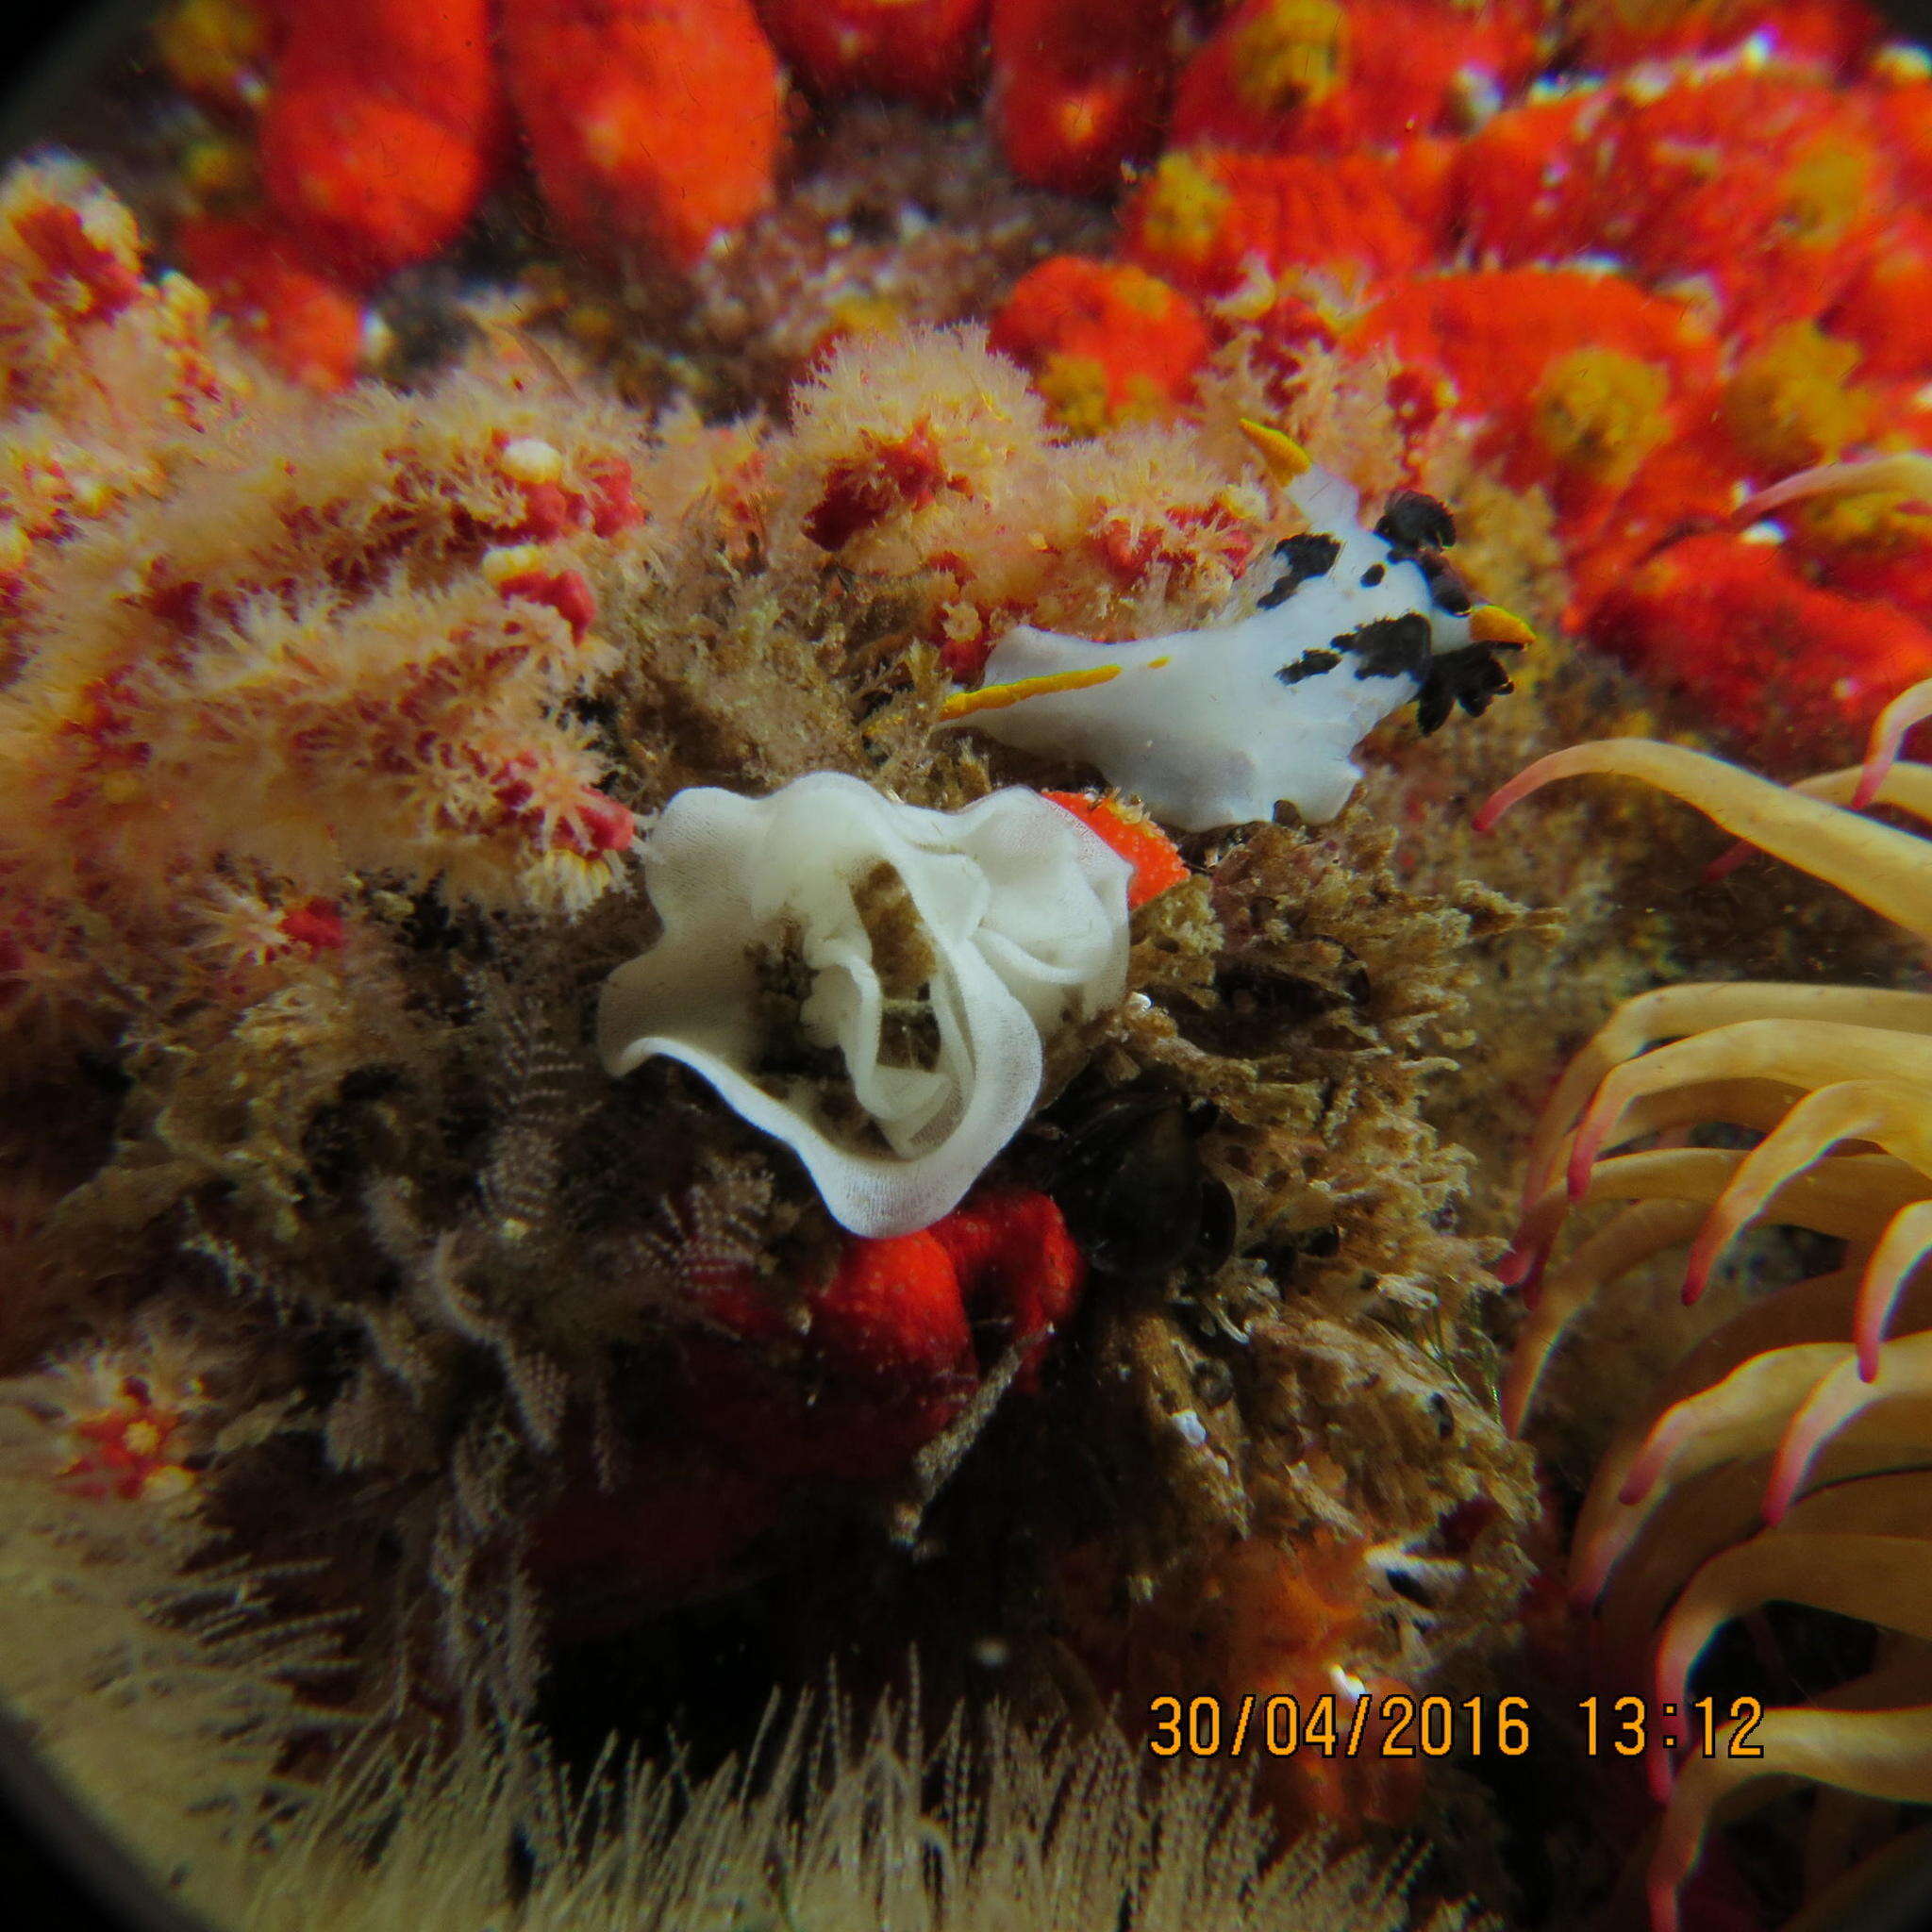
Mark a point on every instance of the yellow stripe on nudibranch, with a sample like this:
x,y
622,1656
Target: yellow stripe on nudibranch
x,y
1489,624
996,697
1281,455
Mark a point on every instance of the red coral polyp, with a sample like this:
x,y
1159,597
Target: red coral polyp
x,y
891,474
86,280
566,592
1613,32
1886,308
893,1310
612,492
1575,378
560,813
1017,1264
130,1450
1764,187
303,322
317,923
1318,76
604,500
887,1358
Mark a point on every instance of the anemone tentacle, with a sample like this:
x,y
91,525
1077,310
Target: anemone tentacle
x,y
1787,1455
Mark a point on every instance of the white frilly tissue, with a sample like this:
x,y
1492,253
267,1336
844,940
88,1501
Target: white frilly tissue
x,y
1024,912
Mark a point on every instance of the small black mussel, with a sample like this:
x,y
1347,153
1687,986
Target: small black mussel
x,y
1131,1182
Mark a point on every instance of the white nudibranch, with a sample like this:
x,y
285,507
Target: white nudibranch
x,y
1211,727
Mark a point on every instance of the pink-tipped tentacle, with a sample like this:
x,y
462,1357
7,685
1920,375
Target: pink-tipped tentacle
x,y
1789,1468
1888,1273
1592,1560
1673,1427
1903,469
1589,1144
1908,708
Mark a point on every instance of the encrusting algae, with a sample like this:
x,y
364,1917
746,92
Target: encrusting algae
x,y
783,913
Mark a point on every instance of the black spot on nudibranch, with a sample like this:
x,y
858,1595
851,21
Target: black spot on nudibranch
x,y
1372,575
1390,646
1411,522
1310,555
1311,663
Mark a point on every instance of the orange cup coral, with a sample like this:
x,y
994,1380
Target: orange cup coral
x,y
914,50
1761,650
382,128
1318,76
652,126
1105,343
1078,87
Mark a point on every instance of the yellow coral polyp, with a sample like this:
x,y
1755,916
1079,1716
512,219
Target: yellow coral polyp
x,y
1140,401
1144,293
1084,400
1075,390
1792,403
239,929
1184,209
1825,191
214,48
1290,55
866,313
1601,411
219,168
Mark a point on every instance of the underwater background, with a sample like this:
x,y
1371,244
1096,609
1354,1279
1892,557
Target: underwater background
x,y
807,1118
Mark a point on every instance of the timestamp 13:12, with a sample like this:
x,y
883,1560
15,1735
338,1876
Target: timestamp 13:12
x,y
1630,1725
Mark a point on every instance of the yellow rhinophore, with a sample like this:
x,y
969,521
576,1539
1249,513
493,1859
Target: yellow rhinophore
x,y
1281,455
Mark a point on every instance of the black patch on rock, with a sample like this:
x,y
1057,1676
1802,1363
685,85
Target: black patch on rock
x,y
1309,664
1310,555
1372,575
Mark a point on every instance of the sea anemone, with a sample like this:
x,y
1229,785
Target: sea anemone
x,y
1785,1457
